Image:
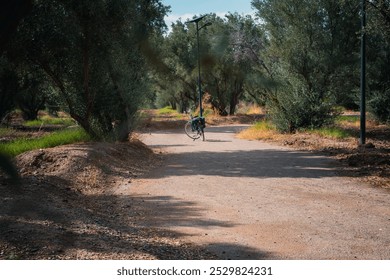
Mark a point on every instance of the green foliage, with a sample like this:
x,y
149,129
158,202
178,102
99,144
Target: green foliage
x,y
91,54
264,126
58,138
332,132
47,120
347,119
100,60
176,84
227,55
380,106
310,43
378,59
166,110
227,63
32,93
8,87
300,108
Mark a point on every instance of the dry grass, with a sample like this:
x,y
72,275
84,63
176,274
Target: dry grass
x,y
262,130
255,110
368,163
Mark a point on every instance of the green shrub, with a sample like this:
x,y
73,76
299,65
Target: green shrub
x,y
331,132
379,106
8,87
54,139
300,108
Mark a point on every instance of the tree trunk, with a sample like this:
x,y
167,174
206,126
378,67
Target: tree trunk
x,y
238,90
82,121
125,126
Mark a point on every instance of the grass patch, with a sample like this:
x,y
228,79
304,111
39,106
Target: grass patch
x,y
260,130
6,131
264,126
47,120
166,111
54,139
266,130
348,120
331,132
254,110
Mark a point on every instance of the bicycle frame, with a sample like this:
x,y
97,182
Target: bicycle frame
x,y
194,128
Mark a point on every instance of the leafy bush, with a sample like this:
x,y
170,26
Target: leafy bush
x,y
379,106
300,108
8,87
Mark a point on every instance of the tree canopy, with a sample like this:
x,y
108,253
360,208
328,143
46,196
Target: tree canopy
x,y
89,55
102,60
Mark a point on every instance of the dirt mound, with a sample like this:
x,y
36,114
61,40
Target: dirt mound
x,y
66,206
87,167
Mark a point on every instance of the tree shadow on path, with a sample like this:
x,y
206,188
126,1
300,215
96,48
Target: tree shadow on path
x,y
267,163
44,220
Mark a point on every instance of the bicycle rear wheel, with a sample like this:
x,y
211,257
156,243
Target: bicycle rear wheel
x,y
190,131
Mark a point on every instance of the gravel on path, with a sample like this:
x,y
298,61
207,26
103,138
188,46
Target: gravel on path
x,y
253,200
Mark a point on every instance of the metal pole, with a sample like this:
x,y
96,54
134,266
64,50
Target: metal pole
x,y
199,81
197,20
363,77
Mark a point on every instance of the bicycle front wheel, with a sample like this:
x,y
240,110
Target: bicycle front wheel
x,y
191,131
202,132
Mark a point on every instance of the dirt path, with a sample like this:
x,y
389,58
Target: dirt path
x,y
251,200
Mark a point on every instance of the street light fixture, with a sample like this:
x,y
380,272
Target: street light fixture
x,y
196,21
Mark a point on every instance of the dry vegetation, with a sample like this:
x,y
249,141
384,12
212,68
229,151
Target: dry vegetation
x,y
370,162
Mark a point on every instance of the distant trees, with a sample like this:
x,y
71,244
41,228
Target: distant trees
x,y
33,90
8,87
227,55
177,85
230,60
378,60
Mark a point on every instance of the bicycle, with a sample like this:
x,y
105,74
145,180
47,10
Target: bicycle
x,y
194,128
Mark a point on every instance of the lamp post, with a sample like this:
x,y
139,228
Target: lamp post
x,y
362,140
196,21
